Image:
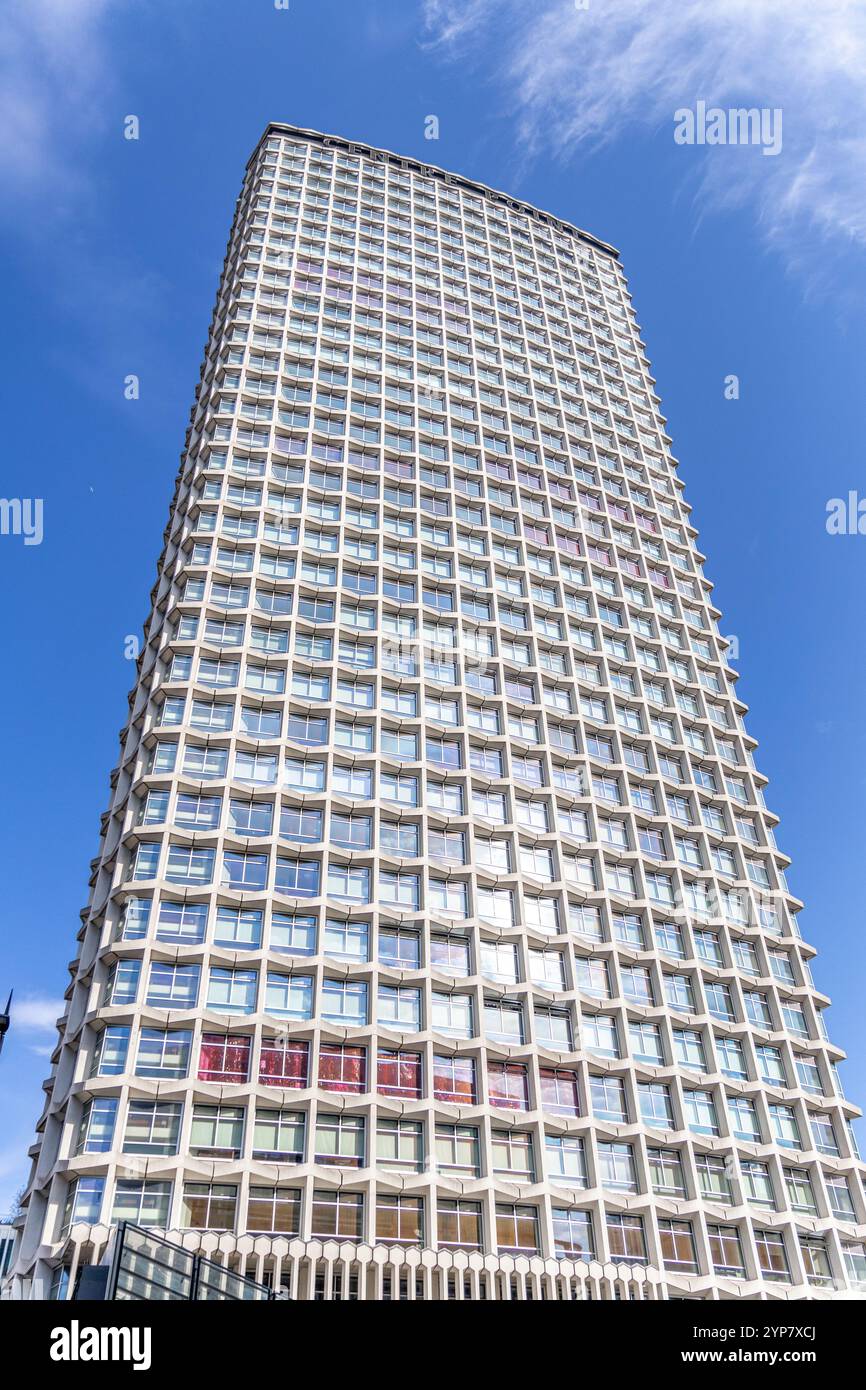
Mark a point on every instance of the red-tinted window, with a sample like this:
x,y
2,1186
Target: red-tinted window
x,y
342,1068
399,1074
559,1093
454,1080
284,1063
508,1085
224,1058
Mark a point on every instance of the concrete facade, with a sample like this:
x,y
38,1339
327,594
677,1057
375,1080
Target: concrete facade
x,y
438,908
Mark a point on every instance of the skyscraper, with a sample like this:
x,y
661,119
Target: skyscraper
x,y
439,944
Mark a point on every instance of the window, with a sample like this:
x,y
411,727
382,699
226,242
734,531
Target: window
x,y
616,1167
143,1203
217,1131
342,1067
559,1093
340,1140
666,1172
161,1053
400,1145
655,1104
399,949
625,1237
459,1225
513,1155
678,1246
209,1207
516,1229
302,825
232,991
454,1079
457,1150
399,1007
152,1127
400,1219
238,927
284,1063
607,1097
743,1119
823,1134
399,1074
398,890
289,996
276,1210
785,1130
713,1180
726,1251
452,1013
96,1126
507,1085
294,933
338,1215
757,1184
772,1256
503,1022
600,1035
344,1002
299,878
800,1191
839,1193
172,986
646,1043
346,940
572,1234
278,1136
449,955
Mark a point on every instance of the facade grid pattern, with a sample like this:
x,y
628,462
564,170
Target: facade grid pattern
x,y
438,904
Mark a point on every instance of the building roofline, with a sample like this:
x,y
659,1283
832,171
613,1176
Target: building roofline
x,y
435,171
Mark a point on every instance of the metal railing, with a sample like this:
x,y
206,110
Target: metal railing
x,y
147,1267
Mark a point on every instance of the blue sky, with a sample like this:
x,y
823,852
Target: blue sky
x,y
739,263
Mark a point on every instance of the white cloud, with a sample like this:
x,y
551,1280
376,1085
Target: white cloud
x,y
581,78
35,1013
53,77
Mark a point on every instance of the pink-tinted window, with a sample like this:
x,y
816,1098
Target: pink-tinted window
x,y
508,1085
454,1080
399,1074
224,1058
284,1063
566,543
342,1068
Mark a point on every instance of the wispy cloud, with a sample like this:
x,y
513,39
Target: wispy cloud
x,y
36,1013
54,72
579,78
61,80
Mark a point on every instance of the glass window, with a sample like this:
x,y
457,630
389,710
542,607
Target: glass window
x,y
459,1224
276,1210
400,1145
400,1219
141,1202
340,1140
278,1136
209,1206
337,1215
